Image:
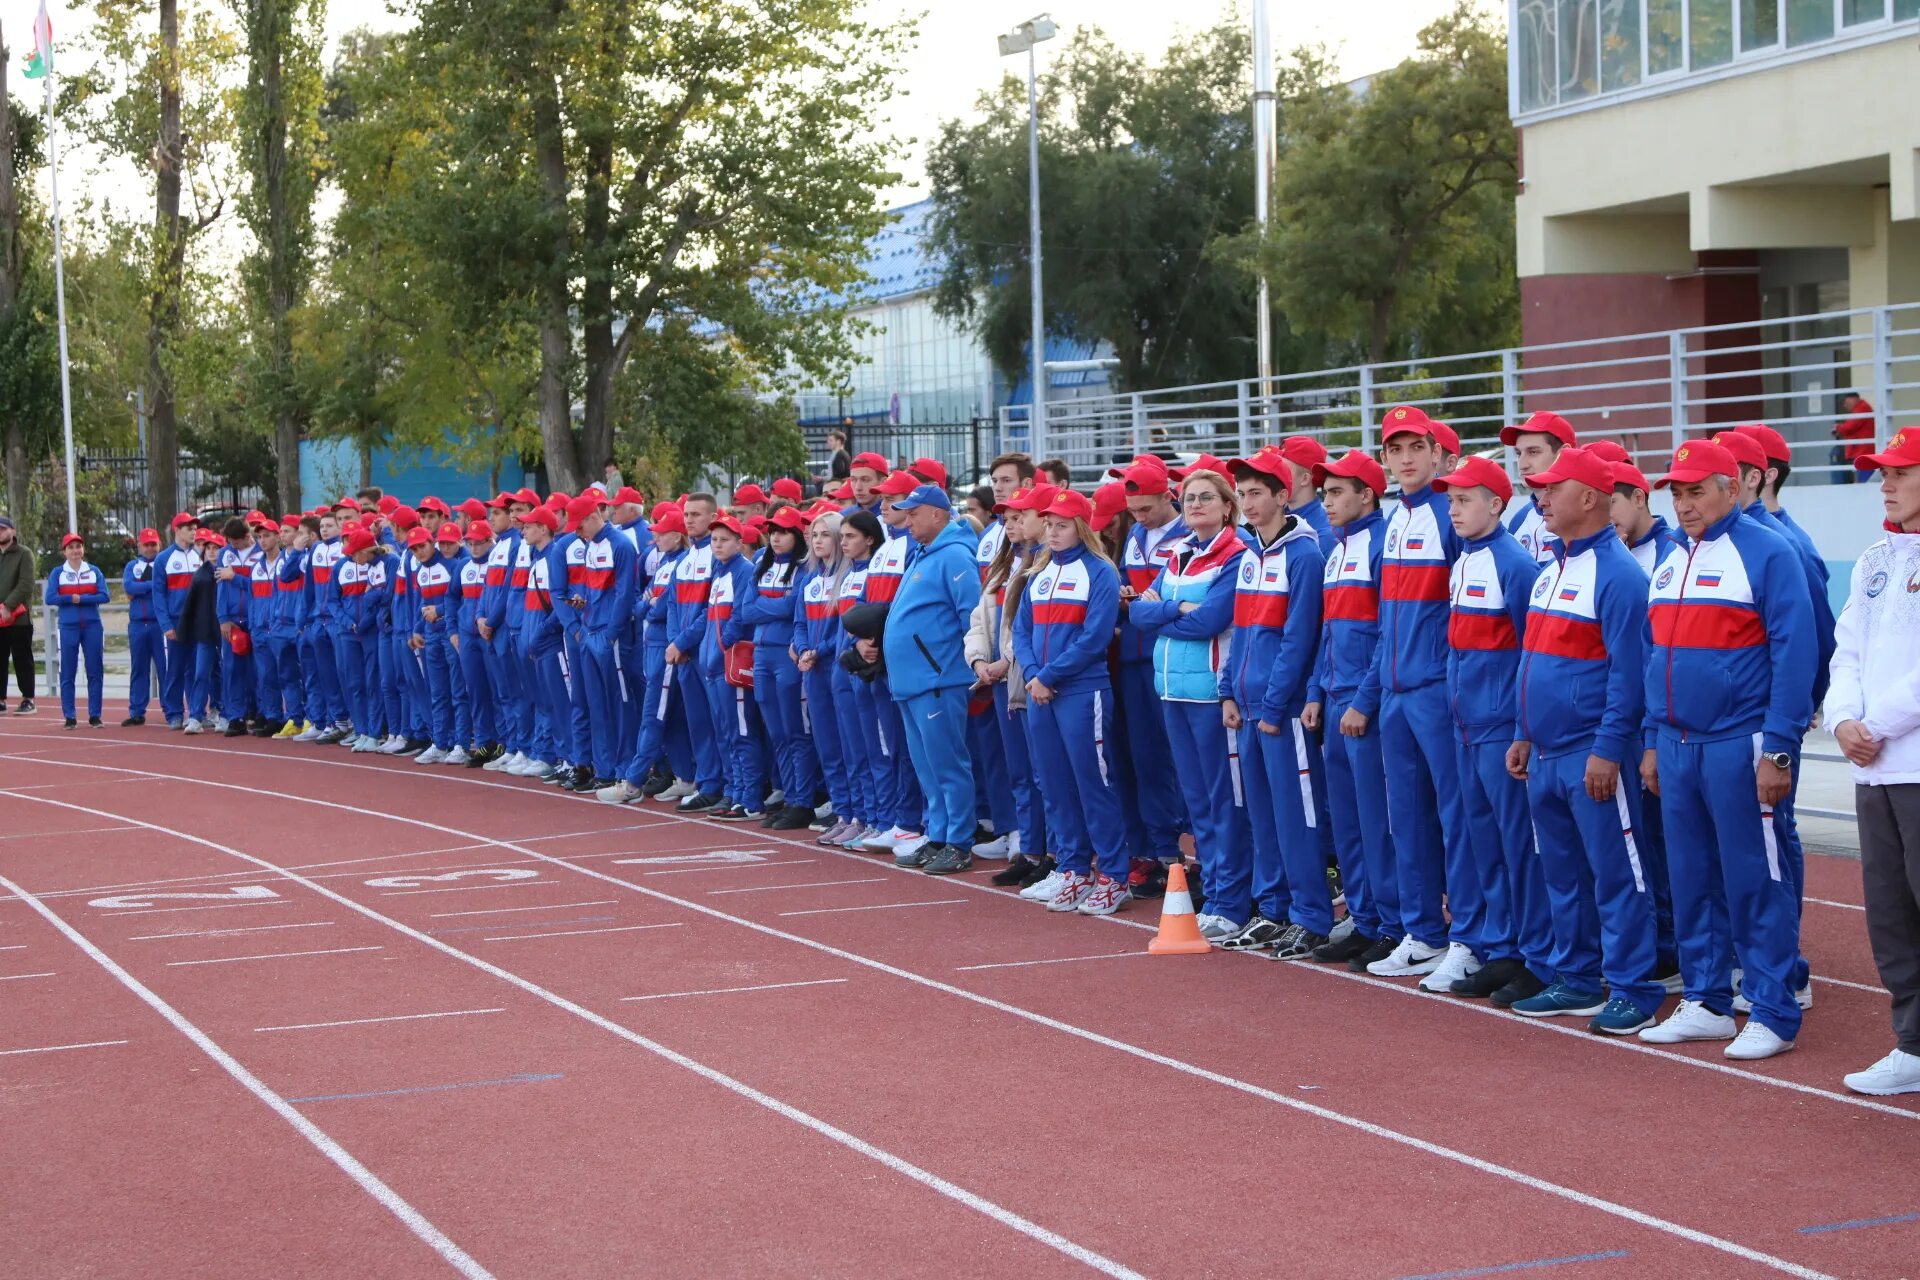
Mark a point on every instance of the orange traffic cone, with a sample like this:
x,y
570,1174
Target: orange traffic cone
x,y
1179,931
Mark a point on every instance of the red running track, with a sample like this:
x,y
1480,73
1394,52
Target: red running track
x,y
417,1019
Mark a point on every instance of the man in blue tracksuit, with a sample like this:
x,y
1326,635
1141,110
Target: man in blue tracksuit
x,y
540,643
233,570
1727,698
1535,444
735,715
484,709
607,580
1263,689
262,614
1582,682
144,632
1157,528
1430,839
1488,592
1344,699
431,587
172,578
686,627
323,561
501,605
924,647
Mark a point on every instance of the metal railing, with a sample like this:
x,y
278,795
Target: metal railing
x,y
1648,391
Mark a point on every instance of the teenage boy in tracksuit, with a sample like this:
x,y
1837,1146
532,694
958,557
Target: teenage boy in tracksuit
x,y
608,563
292,592
660,748
323,624
431,581
1263,689
144,633
234,572
686,627
484,707
262,588
1727,698
1430,840
1582,681
1345,698
172,578
501,604
569,601
540,643
1157,529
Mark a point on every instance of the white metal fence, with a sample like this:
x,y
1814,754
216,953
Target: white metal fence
x,y
1648,391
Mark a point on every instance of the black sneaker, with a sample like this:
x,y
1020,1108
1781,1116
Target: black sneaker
x,y
416,745
1523,986
1259,932
589,784
26,707
93,722
559,775
946,859
732,811
582,780
1489,979
72,723
1146,878
236,729
795,817
657,781
1015,872
266,730
3,706
700,802
919,857
1343,950
1038,869
1382,948
131,722
485,756
1297,943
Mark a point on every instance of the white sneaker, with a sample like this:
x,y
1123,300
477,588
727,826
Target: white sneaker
x,y
998,847
1459,965
1014,849
501,764
1410,957
1898,1072
220,724
1690,1021
367,743
457,756
1756,1041
888,841
1074,890
774,801
530,769
1108,896
193,727
1216,928
1803,997
680,790
909,843
1042,890
308,734
621,792
432,755
393,745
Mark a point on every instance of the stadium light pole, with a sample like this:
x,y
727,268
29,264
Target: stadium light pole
x,y
1020,40
1265,111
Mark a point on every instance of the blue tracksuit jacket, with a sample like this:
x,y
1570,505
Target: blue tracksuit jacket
x,y
927,623
1350,617
1815,569
1142,569
765,615
1414,573
1066,622
1488,592
137,580
1276,624
1582,682
77,593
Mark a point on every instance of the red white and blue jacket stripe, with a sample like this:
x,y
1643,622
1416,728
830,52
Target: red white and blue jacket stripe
x,y
137,581
1815,569
1191,649
992,538
294,590
1350,617
1582,676
1487,594
816,615
355,610
655,600
1066,620
540,633
608,574
765,614
1529,527
853,588
1141,560
1730,640
888,566
569,556
434,581
323,566
235,594
732,583
172,579
1415,569
403,599
687,601
77,593
263,612
1276,624
1659,543
498,590
471,584
384,601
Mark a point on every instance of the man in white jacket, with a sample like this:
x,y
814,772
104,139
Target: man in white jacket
x,y
1873,710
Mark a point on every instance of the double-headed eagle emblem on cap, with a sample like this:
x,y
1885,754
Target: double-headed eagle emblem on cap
x,y
1899,440
1399,414
1680,456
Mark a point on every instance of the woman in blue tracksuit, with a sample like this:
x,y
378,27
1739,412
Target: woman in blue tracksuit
x,y
990,653
736,718
816,628
1189,614
1060,636
767,614
78,588
295,621
860,537
144,632
661,747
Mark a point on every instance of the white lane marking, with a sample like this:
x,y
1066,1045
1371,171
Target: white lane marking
x,y
43,835
727,866
1851,986
16,977
459,888
574,933
18,946
272,955
365,1178
724,991
61,1048
228,933
145,901
210,906
396,1017
878,906
811,884
715,855
1829,902
1021,964
906,1168
500,911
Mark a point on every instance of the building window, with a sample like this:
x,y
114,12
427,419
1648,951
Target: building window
x,y
1579,50
1808,21
1666,48
1619,44
1855,12
1533,45
1903,9
1710,33
1759,24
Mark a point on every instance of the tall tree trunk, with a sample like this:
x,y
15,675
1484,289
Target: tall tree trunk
x,y
11,436
1379,328
163,307
564,470
273,19
596,306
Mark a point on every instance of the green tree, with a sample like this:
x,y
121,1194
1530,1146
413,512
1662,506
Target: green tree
x,y
1142,168
25,337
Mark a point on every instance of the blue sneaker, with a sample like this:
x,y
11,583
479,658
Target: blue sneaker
x,y
1560,999
1621,1017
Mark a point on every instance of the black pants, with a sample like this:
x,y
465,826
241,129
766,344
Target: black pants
x,y
16,644
1890,867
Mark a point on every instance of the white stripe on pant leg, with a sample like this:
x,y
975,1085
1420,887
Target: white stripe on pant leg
x,y
1305,767
880,732
1100,739
806,713
1766,821
619,676
1233,770
1626,831
666,691
566,676
740,710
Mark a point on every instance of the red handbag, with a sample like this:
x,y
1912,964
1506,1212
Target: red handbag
x,y
240,642
739,664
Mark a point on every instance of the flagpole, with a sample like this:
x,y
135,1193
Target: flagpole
x,y
60,306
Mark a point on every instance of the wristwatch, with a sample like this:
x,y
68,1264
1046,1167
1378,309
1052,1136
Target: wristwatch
x,y
1778,759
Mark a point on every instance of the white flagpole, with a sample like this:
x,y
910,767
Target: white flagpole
x,y
60,305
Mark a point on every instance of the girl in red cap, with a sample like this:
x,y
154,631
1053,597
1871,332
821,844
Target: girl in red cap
x,y
78,589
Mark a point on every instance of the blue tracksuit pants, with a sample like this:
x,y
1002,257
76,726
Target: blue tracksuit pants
x,y
1596,885
822,716
1428,818
1020,775
1357,805
909,805
417,698
553,731
1515,924
1731,896
993,793
603,687
657,707
1793,859
1157,790
442,723
269,690
1323,826
350,655
327,701
876,751
777,693
236,683
509,670
149,654
579,712
77,639
708,762
1653,856
1207,760
1073,750
201,663
736,727
850,719
392,700
1289,870
176,665
483,699
631,661
936,730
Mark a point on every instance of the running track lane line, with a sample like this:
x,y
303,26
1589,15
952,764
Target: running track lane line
x,y
365,1178
1626,1044
1517,1176
980,1204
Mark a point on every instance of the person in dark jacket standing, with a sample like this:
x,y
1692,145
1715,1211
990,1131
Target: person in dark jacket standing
x,y
198,628
16,616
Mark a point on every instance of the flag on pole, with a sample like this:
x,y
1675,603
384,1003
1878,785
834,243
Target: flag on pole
x,y
42,60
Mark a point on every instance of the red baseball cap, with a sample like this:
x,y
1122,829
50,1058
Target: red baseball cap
x,y
419,538
1354,464
1070,505
1139,460
431,503
726,520
559,498
1627,473
527,496
1270,462
449,531
184,519
1902,451
1772,443
72,539
473,509
931,470
788,518
1037,498
1109,500
1542,424
1146,478
1447,438
1205,462
844,492
386,504
872,462
579,509
206,536
265,523
898,485
668,518
1303,450
502,500
1608,451
1405,419
629,494
1574,463
359,540
785,487
479,531
287,522
350,504
661,508
541,516
747,493
1480,473
149,537
1696,460
404,517
1745,449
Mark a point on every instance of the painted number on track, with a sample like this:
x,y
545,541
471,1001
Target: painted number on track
x,y
717,855
483,873
134,901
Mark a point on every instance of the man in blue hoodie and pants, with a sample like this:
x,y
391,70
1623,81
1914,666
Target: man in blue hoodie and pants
x,y
927,671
